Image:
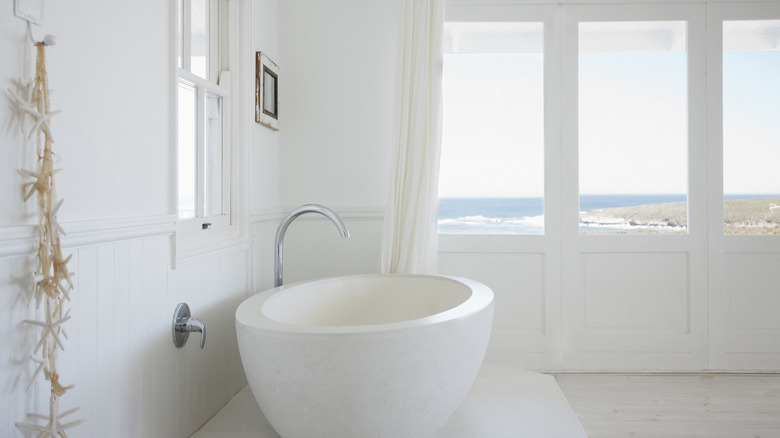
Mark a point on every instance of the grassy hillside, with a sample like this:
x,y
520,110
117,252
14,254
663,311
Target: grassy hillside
x,y
752,216
741,216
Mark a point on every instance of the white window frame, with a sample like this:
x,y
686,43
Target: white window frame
x,y
223,90
707,337
731,347
225,232
548,15
482,249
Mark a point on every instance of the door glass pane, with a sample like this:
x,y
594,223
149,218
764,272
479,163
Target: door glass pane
x,y
213,156
751,131
633,131
492,160
187,150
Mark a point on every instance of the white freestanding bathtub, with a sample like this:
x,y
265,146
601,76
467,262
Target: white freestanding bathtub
x,y
364,356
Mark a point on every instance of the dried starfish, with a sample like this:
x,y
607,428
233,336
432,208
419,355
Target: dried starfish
x,y
54,429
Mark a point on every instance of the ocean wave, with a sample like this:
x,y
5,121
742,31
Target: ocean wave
x,y
537,221
478,220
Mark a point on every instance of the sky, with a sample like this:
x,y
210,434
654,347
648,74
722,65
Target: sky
x,y
751,132
632,139
493,126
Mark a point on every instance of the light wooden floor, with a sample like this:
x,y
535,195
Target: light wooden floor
x,y
675,406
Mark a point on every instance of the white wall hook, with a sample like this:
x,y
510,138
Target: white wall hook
x,y
29,10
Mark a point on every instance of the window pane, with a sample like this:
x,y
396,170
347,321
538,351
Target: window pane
x,y
751,132
187,150
213,155
633,127
199,37
492,160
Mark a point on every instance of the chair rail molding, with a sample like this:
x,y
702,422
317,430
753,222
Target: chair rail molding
x,y
22,240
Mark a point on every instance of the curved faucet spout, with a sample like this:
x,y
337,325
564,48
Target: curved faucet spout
x,y
287,220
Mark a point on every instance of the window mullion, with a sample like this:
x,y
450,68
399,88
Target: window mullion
x,y
201,154
214,59
224,43
225,80
186,34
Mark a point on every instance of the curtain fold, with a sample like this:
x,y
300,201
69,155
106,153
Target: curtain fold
x,y
410,231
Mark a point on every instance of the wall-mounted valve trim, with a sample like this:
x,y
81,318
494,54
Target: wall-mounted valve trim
x,y
184,323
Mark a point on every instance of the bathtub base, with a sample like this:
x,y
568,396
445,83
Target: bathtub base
x,y
363,387
504,402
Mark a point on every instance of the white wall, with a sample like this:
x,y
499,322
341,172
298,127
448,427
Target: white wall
x,y
112,84
336,113
111,75
264,153
339,63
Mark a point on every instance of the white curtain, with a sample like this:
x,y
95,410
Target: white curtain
x,y
410,237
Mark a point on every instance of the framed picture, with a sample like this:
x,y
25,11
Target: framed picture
x,y
267,92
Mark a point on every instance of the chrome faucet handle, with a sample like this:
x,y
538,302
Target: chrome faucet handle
x,y
184,324
196,325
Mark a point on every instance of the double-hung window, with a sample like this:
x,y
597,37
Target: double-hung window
x,y
204,93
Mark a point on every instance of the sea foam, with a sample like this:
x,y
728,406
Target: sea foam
x,y
484,224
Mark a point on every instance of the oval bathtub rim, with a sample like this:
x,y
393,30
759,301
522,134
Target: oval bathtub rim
x,y
481,298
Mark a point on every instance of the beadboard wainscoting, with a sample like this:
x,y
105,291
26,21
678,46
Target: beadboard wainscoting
x,y
130,379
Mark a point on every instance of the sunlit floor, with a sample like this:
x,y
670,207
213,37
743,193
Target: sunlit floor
x,y
675,406
503,403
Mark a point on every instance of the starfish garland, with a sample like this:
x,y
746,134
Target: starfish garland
x,y
40,184
54,429
51,329
41,119
41,361
27,102
51,217
52,278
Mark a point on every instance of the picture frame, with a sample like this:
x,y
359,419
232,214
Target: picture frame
x,y
267,92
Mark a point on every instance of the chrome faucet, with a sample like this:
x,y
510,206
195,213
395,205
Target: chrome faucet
x,y
184,324
303,209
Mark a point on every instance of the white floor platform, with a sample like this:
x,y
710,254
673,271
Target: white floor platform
x,y
503,403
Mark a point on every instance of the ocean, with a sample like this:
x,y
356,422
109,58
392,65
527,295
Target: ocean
x,y
526,215
491,216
